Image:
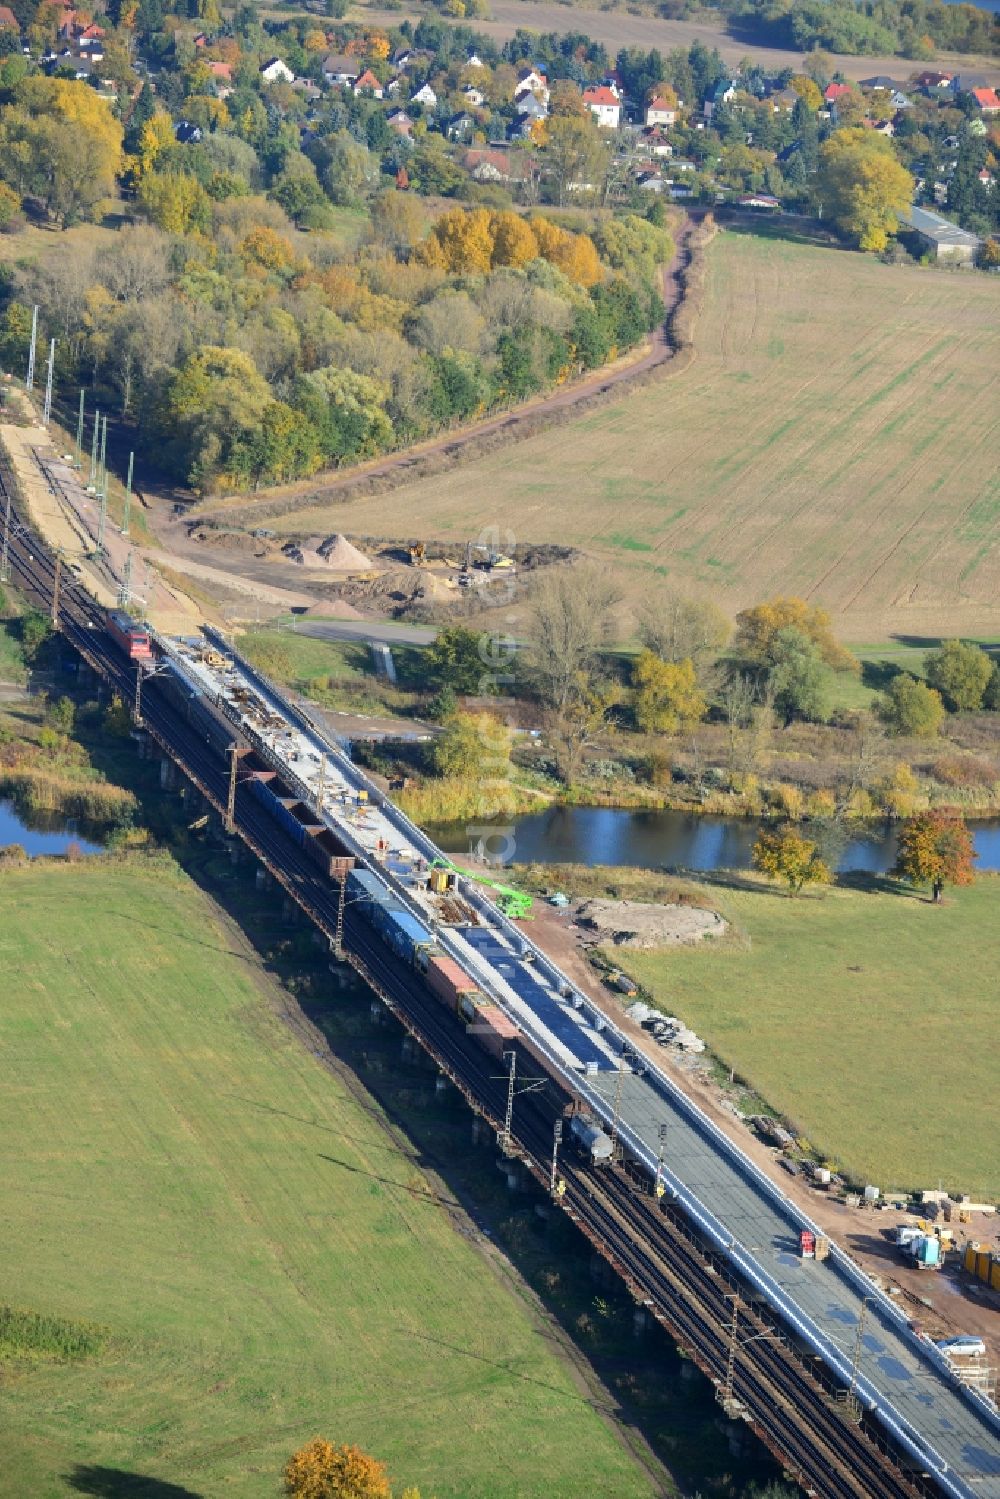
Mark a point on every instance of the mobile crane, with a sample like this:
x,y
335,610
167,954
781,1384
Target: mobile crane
x,y
513,903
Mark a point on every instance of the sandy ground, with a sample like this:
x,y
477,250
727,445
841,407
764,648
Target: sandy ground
x,y
617,29
633,923
67,517
945,1303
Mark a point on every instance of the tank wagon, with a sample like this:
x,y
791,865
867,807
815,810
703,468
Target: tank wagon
x,y
590,1140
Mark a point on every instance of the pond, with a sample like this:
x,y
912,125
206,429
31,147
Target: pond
x,y
672,840
43,833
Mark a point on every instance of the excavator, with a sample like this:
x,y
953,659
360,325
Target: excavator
x,y
493,561
513,903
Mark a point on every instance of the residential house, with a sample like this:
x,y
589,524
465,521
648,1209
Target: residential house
x,y
762,202
720,93
472,96
835,91
187,134
460,127
987,99
655,143
276,71
650,180
659,112
426,96
533,80
945,240
339,70
683,165
472,61
301,86
8,20
531,108
986,178
879,81
367,83
784,101
400,121
933,82
604,106
487,164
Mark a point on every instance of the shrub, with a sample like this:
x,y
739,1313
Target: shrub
x,y
911,708
963,770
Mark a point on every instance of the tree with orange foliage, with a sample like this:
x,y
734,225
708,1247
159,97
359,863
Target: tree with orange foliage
x,y
936,849
573,254
265,247
321,1471
756,629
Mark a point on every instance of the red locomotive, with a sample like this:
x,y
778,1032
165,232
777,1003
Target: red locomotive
x,y
134,638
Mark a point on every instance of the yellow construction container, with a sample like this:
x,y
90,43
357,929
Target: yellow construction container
x,y
995,1275
984,1260
971,1250
440,880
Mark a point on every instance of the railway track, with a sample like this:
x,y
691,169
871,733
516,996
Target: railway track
x,y
667,1269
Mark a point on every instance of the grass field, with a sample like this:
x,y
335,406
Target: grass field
x,y
868,1018
836,437
266,1260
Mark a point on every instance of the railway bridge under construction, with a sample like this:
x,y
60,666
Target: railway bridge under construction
x,y
821,1363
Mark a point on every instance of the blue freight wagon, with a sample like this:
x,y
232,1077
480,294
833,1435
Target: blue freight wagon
x,y
402,932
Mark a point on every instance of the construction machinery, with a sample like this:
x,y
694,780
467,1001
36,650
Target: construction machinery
x,y
492,561
513,903
418,553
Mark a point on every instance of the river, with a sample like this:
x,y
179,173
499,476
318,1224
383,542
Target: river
x,y
674,840
46,834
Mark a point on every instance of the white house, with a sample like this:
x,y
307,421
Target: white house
x,y
472,61
659,112
531,78
340,70
276,71
473,97
367,83
604,106
425,96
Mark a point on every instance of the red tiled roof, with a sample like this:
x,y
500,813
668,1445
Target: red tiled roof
x,y
8,18
600,95
835,91
986,98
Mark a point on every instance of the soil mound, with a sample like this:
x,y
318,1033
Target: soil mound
x,y
631,923
340,555
334,609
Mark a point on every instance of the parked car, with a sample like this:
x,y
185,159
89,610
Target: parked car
x,y
966,1345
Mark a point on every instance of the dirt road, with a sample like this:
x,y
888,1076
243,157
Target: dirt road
x,y
523,420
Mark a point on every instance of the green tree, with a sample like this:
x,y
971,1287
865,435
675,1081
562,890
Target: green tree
x,y
909,707
682,629
36,628
991,697
936,849
790,858
960,673
667,694
799,678
210,413
575,153
473,744
175,202
62,714
456,659
862,186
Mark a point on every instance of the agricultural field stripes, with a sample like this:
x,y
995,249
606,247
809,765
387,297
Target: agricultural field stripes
x,y
836,437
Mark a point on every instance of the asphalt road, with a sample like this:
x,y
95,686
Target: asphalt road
x,y
383,632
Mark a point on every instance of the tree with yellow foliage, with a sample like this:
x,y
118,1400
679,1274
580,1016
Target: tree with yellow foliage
x,y
807,90
863,186
60,142
461,241
175,202
157,134
667,694
265,247
757,628
514,242
321,1471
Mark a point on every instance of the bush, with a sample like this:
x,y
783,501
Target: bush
x,y
909,707
964,770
